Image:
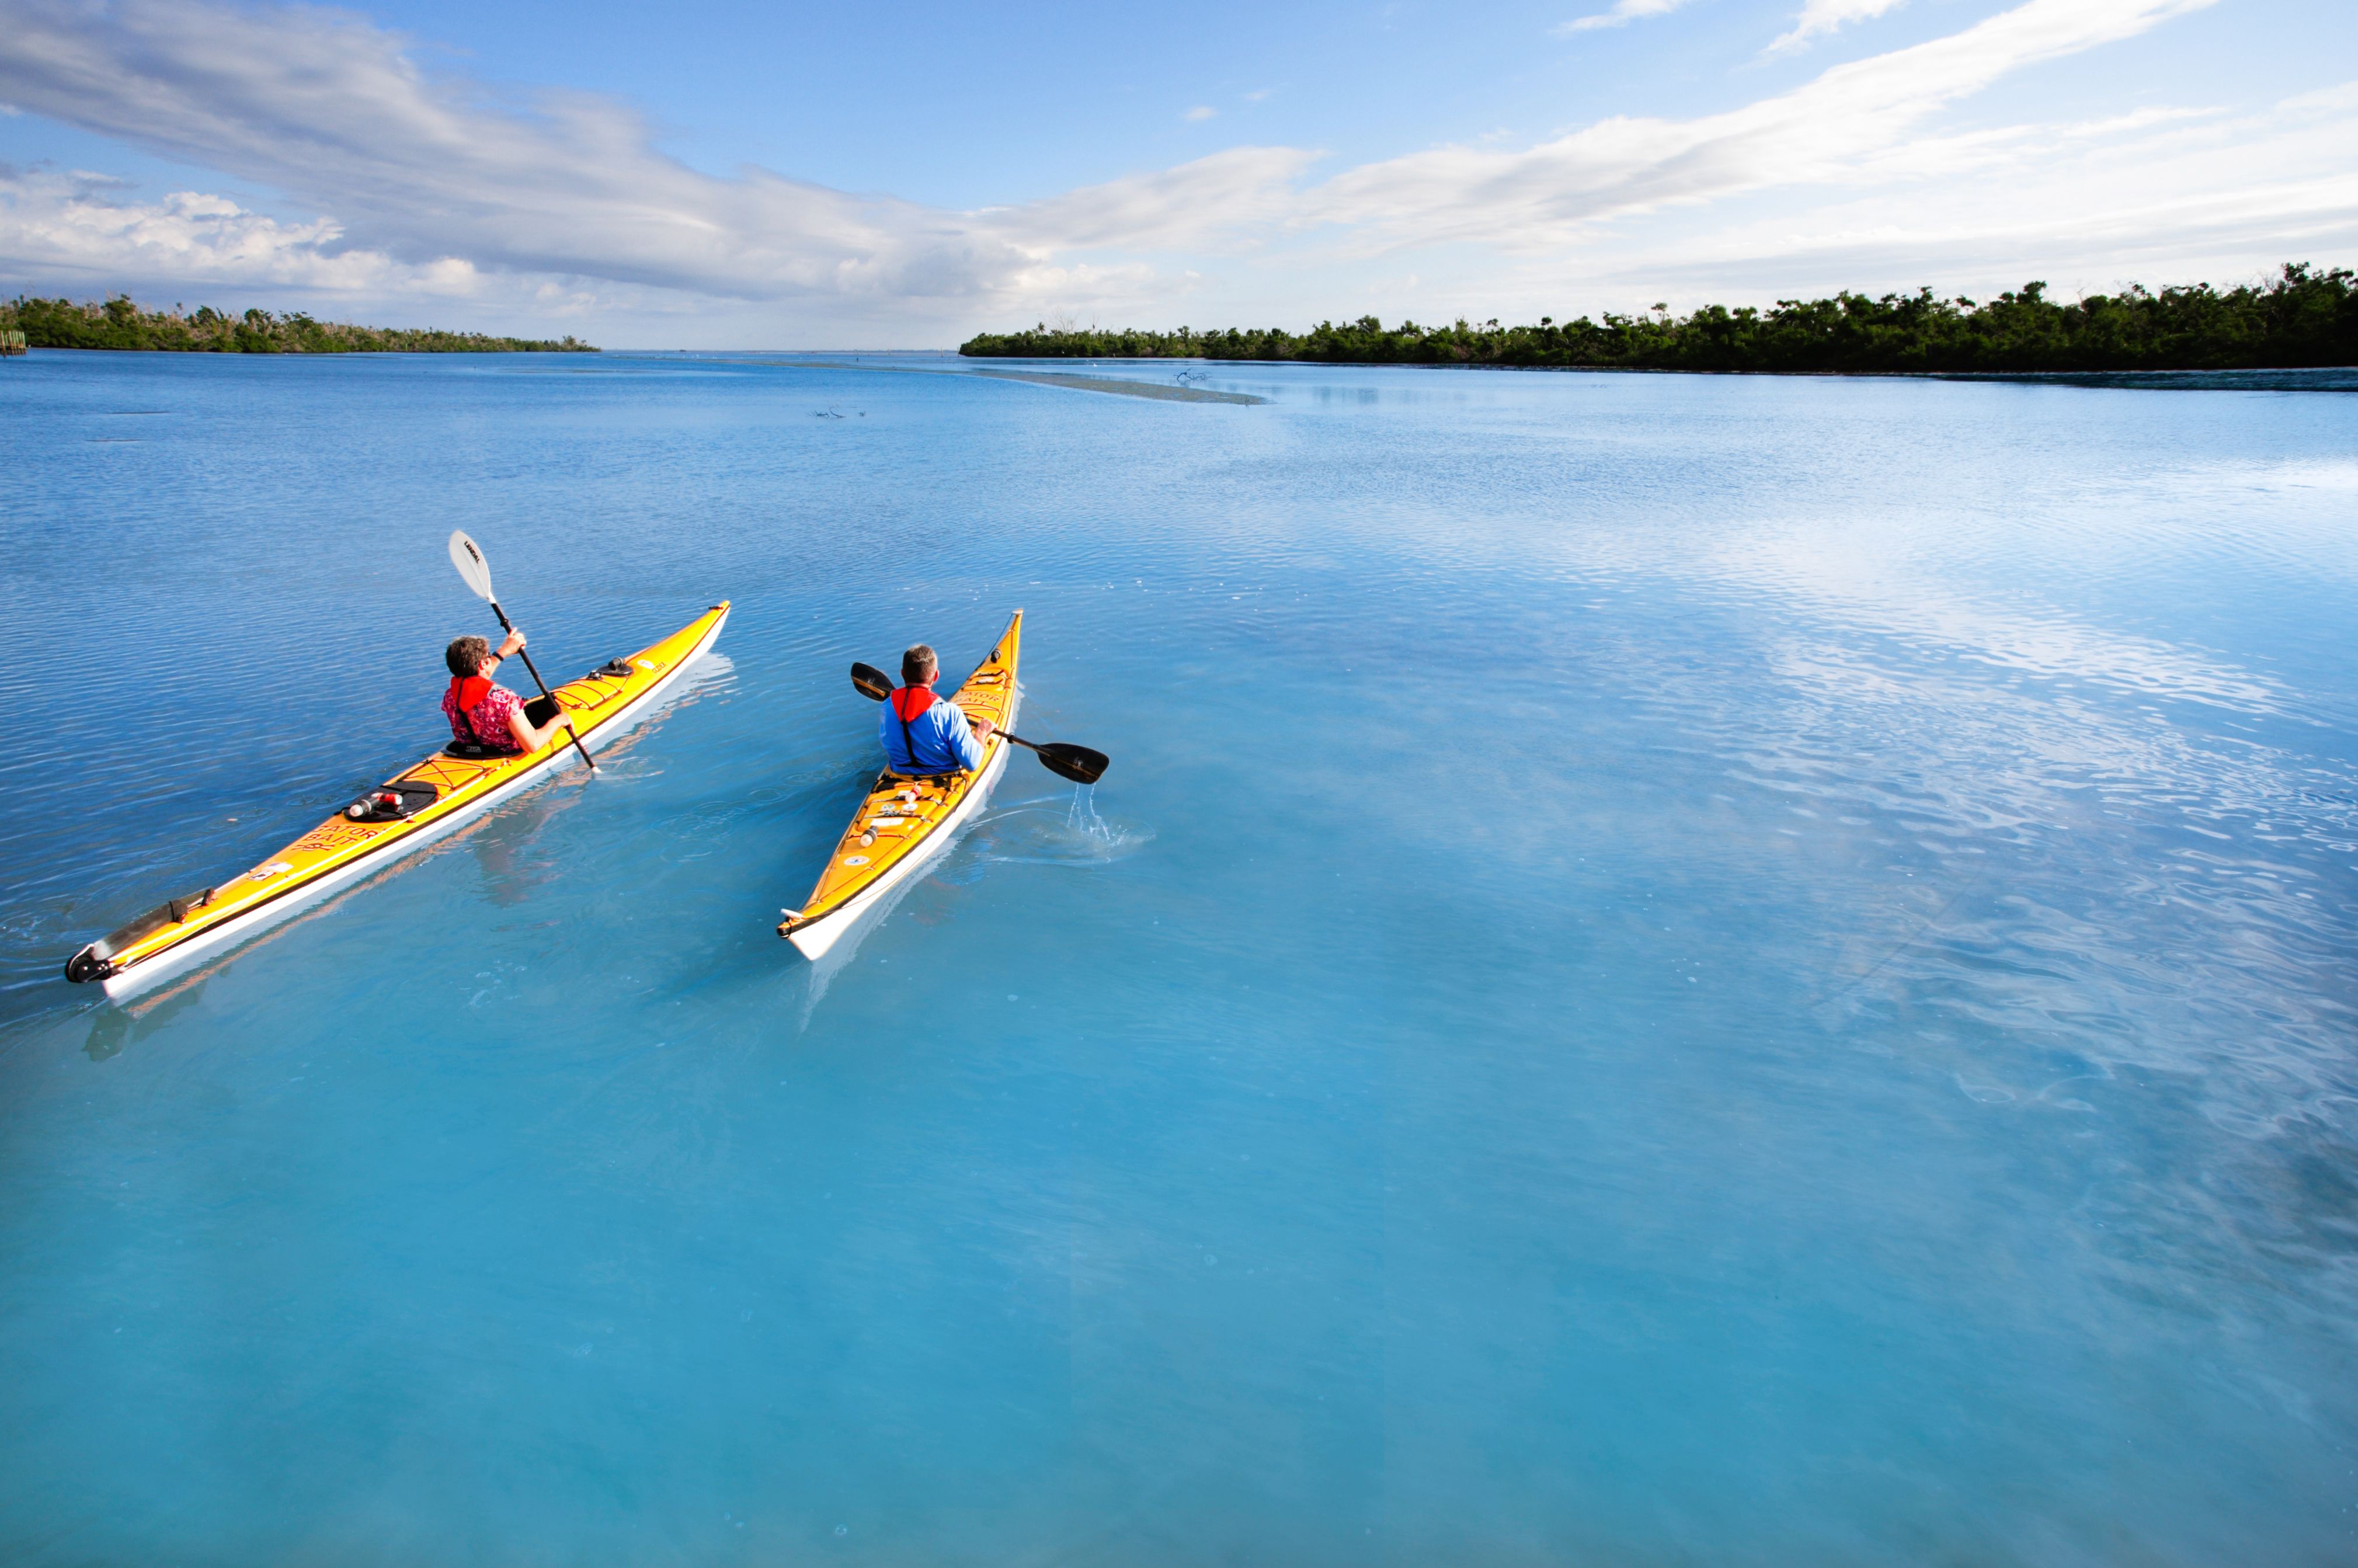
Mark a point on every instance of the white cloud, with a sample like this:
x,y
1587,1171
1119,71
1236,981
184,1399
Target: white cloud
x,y
70,227
2164,196
1819,132
1826,15
1624,12
1226,196
427,187
1200,112
332,111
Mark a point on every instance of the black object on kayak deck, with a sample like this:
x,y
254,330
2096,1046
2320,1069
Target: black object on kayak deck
x,y
392,802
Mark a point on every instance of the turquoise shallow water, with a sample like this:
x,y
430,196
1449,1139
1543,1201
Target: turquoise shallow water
x,y
1670,970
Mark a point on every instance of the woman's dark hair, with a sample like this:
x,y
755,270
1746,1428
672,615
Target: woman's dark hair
x,y
917,663
466,654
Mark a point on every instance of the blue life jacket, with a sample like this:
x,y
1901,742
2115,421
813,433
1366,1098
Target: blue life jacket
x,y
933,734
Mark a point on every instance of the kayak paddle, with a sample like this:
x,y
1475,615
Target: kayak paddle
x,y
468,556
1077,764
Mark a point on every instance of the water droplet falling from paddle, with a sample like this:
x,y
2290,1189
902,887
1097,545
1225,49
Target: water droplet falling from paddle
x,y
1083,816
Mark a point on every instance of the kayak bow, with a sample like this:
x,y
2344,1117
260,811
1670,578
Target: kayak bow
x,y
405,813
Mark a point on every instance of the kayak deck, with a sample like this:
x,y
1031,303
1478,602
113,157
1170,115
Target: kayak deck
x,y
905,819
438,793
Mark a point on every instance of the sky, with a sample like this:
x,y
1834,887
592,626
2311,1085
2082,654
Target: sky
x,y
718,174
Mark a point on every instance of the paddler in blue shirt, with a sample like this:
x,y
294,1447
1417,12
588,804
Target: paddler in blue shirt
x,y
924,734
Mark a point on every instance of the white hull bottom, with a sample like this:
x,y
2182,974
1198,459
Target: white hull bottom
x,y
229,933
814,940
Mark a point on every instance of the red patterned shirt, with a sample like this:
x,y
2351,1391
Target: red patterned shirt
x,y
485,720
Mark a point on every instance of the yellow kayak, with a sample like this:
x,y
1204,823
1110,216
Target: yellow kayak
x,y
905,822
405,813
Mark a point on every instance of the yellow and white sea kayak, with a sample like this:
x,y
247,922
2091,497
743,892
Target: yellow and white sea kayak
x,y
407,812
904,822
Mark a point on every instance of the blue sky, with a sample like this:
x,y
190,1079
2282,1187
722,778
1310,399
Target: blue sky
x,y
732,175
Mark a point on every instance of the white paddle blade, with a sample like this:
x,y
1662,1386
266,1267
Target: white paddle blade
x,y
468,556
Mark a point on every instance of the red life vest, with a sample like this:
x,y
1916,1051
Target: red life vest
x,y
910,702
468,693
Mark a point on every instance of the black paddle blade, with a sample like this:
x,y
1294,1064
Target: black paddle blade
x,y
873,683
1077,764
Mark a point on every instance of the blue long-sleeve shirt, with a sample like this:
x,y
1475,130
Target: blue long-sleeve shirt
x,y
944,742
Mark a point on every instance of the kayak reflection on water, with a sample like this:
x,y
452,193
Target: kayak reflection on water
x,y
513,851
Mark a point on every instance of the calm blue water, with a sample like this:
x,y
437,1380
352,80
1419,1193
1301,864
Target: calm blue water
x,y
1670,970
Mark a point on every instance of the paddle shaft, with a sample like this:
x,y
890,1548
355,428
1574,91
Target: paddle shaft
x,y
1079,764
528,665
1012,735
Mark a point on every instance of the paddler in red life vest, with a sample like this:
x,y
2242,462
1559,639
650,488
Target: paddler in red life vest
x,y
485,715
924,734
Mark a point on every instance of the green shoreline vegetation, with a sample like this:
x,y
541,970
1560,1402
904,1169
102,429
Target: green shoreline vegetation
x,y
120,324
2304,318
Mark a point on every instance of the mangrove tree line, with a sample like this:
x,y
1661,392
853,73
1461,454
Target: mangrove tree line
x,y
120,324
2303,318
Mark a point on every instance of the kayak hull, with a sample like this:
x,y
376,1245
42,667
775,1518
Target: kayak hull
x,y
905,823
603,712
815,940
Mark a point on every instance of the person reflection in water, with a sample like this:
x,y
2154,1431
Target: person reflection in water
x,y
484,716
924,734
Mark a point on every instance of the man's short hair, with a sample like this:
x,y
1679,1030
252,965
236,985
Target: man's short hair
x,y
465,655
917,663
